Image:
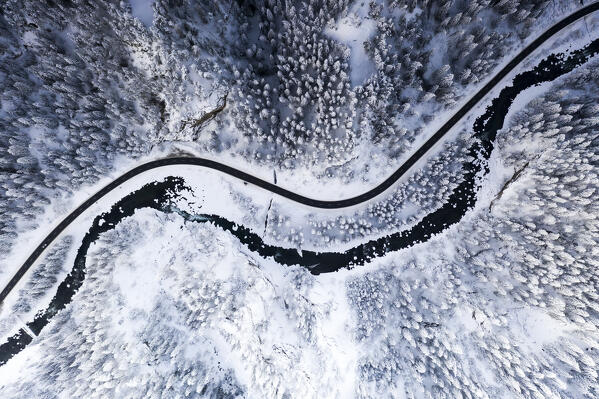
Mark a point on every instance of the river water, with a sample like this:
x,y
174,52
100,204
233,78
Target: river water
x,y
160,195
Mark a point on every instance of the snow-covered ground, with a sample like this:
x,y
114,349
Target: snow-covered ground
x,y
197,305
406,213
352,31
503,304
71,119
142,10
304,181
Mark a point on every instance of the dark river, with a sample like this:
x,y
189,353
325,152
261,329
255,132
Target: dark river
x,y
159,196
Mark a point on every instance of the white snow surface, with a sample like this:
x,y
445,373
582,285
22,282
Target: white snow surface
x,y
495,306
503,304
186,299
142,10
353,32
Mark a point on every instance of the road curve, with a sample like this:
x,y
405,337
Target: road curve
x,y
343,203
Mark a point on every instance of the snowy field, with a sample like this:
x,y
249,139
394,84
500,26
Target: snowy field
x,y
503,304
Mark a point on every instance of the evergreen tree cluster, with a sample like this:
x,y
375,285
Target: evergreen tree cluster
x,y
84,84
423,192
514,289
71,102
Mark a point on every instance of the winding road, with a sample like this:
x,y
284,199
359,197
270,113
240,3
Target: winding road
x,y
403,169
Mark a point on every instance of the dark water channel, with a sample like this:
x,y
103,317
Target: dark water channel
x,y
159,196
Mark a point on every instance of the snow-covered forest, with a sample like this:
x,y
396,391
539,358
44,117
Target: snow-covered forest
x,y
503,304
88,86
325,93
